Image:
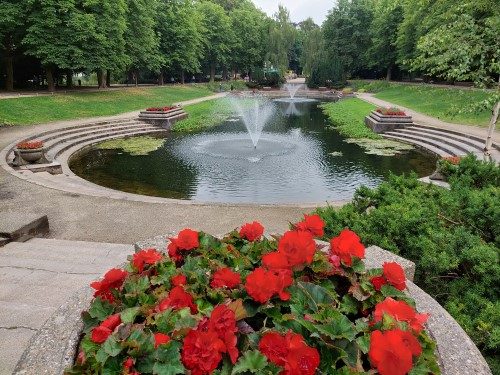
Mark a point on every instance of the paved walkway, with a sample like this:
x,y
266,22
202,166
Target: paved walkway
x,y
36,278
422,119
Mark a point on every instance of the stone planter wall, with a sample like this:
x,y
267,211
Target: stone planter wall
x,y
380,123
163,119
54,346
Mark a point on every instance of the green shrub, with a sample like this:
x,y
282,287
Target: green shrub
x,y
453,236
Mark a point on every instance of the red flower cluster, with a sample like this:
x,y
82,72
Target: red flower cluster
x,y
391,352
143,257
225,277
262,285
312,224
402,312
178,299
391,111
161,109
113,279
101,333
291,352
203,347
455,160
160,339
295,248
393,274
178,280
252,231
346,246
30,145
186,240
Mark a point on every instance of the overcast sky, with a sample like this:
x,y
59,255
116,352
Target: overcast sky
x,y
299,9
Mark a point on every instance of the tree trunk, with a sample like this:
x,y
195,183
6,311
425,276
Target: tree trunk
x,y
9,69
212,72
69,78
182,77
101,78
389,73
108,78
136,82
161,79
50,78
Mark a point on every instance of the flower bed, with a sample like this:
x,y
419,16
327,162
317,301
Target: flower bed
x,y
248,304
394,111
161,109
29,145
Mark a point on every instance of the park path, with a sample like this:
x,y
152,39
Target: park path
x,y
38,276
421,119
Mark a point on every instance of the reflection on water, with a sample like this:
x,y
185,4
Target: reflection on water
x,y
296,160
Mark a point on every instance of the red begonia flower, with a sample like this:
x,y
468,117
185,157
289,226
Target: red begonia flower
x,y
160,339
400,311
395,275
178,280
202,352
252,231
347,245
312,224
389,354
225,277
143,257
113,279
178,299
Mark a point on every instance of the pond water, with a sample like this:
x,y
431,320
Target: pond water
x,y
297,160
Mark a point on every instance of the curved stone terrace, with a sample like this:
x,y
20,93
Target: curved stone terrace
x,y
79,217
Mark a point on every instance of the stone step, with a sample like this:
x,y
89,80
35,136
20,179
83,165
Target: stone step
x,y
21,226
435,150
455,132
81,134
55,151
443,138
471,141
451,150
85,128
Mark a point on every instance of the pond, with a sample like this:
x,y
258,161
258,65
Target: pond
x,y
297,160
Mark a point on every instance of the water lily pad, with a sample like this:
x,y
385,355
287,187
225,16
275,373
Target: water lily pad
x,y
135,146
381,147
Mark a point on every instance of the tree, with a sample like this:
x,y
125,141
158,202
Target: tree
x,y
312,44
282,35
50,36
11,34
382,53
179,27
345,33
103,37
141,39
218,35
248,48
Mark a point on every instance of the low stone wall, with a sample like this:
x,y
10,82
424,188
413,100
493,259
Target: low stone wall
x,y
164,119
54,346
379,123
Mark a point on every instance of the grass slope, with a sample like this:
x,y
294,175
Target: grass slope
x,y
450,105
204,115
348,115
42,109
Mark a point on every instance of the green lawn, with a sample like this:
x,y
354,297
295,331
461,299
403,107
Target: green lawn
x,y
451,105
42,109
204,115
348,117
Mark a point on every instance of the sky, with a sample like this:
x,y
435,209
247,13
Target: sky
x,y
299,9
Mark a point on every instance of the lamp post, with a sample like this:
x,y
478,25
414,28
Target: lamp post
x,y
493,122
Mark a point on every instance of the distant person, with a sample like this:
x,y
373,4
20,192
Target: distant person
x,y
172,80
220,87
193,79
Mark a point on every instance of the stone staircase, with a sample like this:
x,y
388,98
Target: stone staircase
x,y
60,140
444,143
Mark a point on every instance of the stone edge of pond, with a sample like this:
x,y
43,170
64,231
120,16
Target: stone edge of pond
x,y
53,348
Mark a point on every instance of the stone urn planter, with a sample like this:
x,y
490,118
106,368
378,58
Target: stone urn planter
x,y
30,152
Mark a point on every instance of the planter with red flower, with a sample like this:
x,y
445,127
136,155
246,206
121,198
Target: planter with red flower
x,y
250,304
29,152
387,119
164,117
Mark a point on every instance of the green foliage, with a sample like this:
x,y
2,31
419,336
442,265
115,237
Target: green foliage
x,y
347,116
281,39
452,235
327,74
204,115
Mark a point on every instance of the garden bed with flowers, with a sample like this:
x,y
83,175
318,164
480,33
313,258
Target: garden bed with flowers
x,y
249,304
387,119
163,116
